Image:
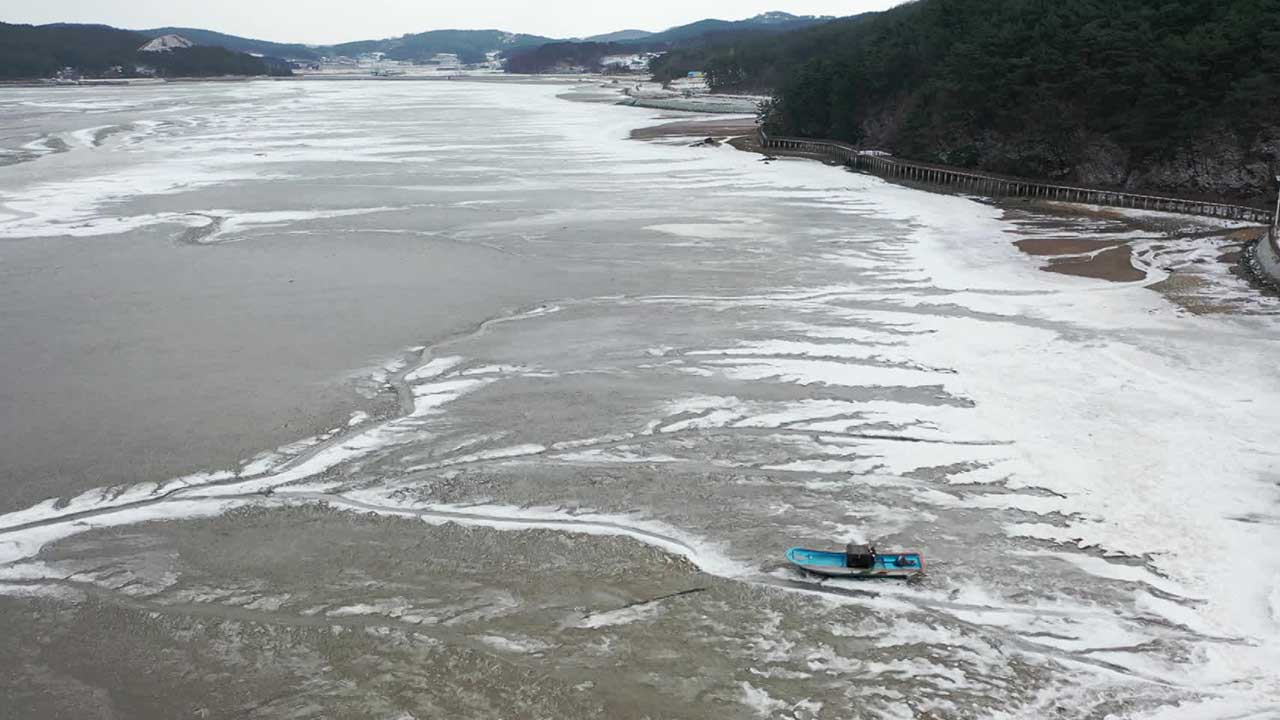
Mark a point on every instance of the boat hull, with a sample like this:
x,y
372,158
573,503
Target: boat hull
x,y
832,564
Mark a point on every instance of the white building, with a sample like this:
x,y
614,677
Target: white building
x,y
445,61
634,63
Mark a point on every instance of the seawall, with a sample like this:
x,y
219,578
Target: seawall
x,y
885,165
1264,259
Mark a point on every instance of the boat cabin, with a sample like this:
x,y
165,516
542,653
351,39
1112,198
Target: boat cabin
x,y
861,557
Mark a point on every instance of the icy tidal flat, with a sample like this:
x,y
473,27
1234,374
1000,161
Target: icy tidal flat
x,y
579,489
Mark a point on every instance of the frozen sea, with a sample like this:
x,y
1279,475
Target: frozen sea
x,y
446,399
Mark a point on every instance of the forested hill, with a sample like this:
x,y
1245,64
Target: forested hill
x,y
562,55
1146,94
31,52
470,46
37,52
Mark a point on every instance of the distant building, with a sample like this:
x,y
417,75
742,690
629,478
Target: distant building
x,y
629,63
166,43
445,61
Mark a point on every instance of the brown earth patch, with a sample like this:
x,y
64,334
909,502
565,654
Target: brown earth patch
x,y
1249,234
1115,265
1094,211
1063,246
1179,282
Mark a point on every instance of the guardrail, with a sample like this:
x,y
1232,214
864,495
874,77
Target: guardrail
x,y
884,165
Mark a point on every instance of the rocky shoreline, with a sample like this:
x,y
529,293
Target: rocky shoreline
x,y
1262,259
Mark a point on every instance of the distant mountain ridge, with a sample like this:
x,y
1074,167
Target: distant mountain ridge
x,y
770,21
291,51
471,46
592,54
619,36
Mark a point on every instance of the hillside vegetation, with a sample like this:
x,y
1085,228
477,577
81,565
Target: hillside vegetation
x,y
549,57
1154,94
749,60
37,52
30,52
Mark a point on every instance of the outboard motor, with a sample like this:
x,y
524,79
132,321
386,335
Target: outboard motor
x,y
860,557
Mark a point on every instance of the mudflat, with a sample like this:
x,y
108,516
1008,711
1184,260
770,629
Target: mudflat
x,y
135,358
557,403
714,127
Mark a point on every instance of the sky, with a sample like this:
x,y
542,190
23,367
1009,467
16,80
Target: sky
x,y
332,21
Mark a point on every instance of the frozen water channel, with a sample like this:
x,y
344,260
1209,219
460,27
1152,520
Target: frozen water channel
x,y
639,373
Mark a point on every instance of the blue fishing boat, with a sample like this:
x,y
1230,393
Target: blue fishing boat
x,y
857,561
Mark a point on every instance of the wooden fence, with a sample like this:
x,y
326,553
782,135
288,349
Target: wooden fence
x,y
993,185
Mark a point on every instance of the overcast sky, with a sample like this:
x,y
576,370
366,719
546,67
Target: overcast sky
x,y
330,21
